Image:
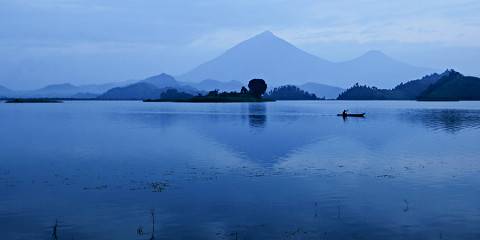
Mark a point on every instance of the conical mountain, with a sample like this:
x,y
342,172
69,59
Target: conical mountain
x,y
262,56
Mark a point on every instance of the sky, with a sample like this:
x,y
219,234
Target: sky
x,y
97,41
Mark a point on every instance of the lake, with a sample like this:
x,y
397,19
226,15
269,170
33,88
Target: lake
x,y
280,170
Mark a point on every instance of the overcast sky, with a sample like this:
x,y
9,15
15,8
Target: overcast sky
x,y
88,41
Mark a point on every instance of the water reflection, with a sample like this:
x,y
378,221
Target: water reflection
x,y
238,171
248,132
448,120
257,115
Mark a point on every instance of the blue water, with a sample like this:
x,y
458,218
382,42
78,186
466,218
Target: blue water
x,y
282,170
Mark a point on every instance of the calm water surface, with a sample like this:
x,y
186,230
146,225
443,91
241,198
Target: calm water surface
x,y
283,170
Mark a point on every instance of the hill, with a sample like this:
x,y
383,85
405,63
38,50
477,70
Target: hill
x,y
270,57
364,92
136,91
412,89
162,80
453,87
450,85
404,91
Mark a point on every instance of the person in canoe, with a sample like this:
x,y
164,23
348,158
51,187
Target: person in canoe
x,y
345,114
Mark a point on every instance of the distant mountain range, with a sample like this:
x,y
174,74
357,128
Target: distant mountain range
x,y
160,83
149,88
280,63
449,85
65,90
273,59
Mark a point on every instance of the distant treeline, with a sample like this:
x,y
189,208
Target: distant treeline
x,y
290,92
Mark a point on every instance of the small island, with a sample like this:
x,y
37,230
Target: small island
x,y
33,100
256,89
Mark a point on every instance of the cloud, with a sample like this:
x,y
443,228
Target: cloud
x,y
78,48
434,31
451,23
191,23
61,5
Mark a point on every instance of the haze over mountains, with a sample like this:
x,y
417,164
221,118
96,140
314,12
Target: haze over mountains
x,y
65,90
149,88
262,56
279,62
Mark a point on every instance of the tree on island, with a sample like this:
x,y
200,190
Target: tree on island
x,y
257,87
213,93
175,94
243,91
